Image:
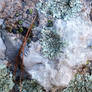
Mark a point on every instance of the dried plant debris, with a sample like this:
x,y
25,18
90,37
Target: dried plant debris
x,y
6,81
51,43
60,8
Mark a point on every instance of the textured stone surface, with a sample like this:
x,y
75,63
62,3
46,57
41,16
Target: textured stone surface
x,y
12,43
2,48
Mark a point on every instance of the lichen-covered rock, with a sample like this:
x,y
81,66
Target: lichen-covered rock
x,y
45,71
60,8
52,44
31,86
6,81
81,83
76,32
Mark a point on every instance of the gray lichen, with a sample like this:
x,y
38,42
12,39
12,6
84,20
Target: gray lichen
x,y
81,83
51,43
31,86
6,82
60,8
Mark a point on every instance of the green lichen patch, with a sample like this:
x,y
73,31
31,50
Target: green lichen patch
x,y
6,81
60,8
31,86
81,83
51,43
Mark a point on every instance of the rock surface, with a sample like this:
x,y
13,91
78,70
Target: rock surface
x,y
9,45
74,31
2,48
12,43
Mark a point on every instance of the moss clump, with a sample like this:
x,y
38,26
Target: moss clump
x,y
51,43
6,82
20,29
31,11
20,22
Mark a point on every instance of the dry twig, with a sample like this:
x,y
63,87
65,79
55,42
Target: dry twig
x,y
19,60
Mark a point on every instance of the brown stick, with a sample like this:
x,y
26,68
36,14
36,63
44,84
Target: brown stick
x,y
18,58
26,37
